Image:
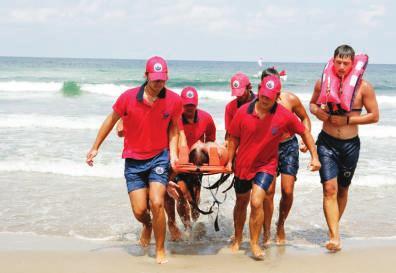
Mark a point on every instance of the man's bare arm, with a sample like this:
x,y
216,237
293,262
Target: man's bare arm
x,y
299,110
233,143
314,108
173,135
309,142
104,130
370,104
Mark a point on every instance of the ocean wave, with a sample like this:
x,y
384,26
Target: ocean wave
x,y
115,237
107,89
94,122
115,169
114,90
312,179
22,86
366,131
66,167
71,88
45,121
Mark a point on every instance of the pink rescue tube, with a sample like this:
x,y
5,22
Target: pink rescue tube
x,y
351,83
335,92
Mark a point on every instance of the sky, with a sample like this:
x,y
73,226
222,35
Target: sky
x,y
277,31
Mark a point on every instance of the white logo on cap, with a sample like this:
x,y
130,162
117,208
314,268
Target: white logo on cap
x,y
190,94
235,84
270,85
159,170
157,67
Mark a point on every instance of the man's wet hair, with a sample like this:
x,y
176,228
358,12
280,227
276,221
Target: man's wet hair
x,y
198,157
344,51
268,72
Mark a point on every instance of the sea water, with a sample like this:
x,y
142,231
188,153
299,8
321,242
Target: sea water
x,y
51,110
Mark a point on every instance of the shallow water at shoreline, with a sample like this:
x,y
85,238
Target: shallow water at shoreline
x,y
47,127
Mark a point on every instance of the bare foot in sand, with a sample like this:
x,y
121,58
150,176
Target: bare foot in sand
x,y
280,235
175,232
333,245
235,245
257,252
267,239
188,234
194,214
145,236
160,257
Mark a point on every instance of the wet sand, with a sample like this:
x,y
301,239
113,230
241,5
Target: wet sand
x,y
41,254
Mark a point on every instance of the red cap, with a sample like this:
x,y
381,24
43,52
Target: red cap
x,y
238,84
157,69
270,87
189,96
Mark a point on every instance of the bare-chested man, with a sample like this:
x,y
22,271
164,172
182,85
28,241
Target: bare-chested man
x,y
338,143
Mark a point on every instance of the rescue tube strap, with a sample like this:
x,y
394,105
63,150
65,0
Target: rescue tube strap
x,y
216,201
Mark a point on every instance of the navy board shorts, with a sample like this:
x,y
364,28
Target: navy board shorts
x,y
338,157
139,173
288,157
262,179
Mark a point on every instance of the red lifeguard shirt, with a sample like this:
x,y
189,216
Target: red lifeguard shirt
x,y
202,128
146,126
259,138
231,109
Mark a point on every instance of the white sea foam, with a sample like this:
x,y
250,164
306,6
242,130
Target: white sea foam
x,y
66,167
23,86
45,121
375,181
366,131
85,238
115,169
94,122
114,90
107,89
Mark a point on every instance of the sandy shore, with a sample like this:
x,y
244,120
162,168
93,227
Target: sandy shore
x,y
40,254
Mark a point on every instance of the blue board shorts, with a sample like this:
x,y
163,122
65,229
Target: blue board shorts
x,y
262,179
288,157
338,157
139,173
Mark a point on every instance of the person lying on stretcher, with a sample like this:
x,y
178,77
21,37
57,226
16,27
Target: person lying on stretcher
x,y
185,188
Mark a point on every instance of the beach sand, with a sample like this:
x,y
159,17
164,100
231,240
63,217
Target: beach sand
x,y
41,254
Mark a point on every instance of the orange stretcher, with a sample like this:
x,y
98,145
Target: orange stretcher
x,y
214,166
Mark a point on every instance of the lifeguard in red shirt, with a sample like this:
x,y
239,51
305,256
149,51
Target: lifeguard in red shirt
x,y
198,127
150,115
256,131
241,88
